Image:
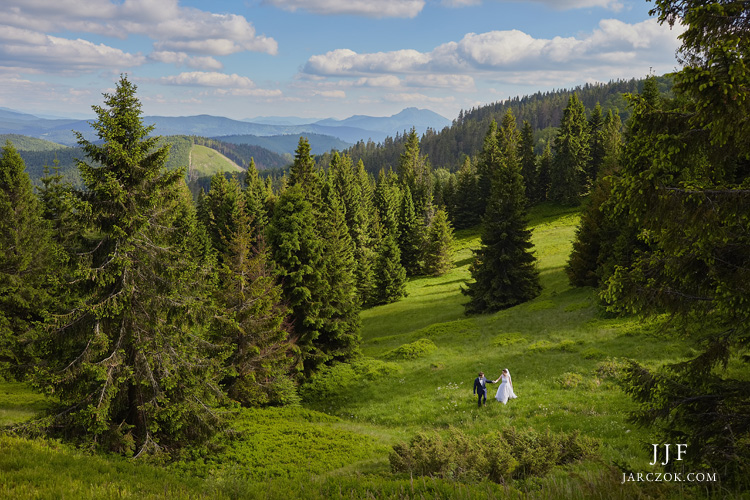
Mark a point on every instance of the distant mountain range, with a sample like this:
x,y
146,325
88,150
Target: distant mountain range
x,y
348,131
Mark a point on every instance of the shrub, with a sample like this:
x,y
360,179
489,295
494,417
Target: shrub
x,y
612,368
569,380
500,456
414,350
541,345
592,353
457,457
507,339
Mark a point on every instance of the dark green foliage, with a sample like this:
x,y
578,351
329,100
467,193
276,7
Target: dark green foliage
x,y
27,257
414,172
528,160
390,275
387,200
256,201
218,211
252,322
498,457
438,256
597,145
504,269
297,250
339,337
303,173
572,155
544,175
488,161
410,235
689,198
356,196
128,364
465,206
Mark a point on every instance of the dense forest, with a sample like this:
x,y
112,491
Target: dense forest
x,y
142,314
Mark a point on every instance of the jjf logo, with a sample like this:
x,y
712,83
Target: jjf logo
x,y
681,449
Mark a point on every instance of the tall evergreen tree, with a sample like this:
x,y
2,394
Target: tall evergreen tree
x,y
339,338
414,172
465,206
297,250
544,175
504,269
572,155
439,252
252,322
390,275
410,235
489,159
218,211
528,160
691,201
27,256
129,364
387,200
255,202
597,146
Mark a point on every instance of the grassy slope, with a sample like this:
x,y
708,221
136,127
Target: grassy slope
x,y
542,342
205,161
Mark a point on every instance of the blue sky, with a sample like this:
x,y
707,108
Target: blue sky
x,y
318,58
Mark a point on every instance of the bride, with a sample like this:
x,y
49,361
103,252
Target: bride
x,y
505,391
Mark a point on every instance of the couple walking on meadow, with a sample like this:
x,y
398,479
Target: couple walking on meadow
x,y
504,392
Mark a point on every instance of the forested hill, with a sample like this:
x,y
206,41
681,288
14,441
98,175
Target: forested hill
x,y
38,153
543,110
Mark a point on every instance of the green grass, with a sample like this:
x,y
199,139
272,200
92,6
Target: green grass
x,y
205,161
337,445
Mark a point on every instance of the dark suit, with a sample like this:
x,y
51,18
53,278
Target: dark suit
x,y
480,389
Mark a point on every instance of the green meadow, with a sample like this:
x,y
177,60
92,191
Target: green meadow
x,y
420,358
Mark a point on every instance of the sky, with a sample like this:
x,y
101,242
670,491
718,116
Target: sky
x,y
318,58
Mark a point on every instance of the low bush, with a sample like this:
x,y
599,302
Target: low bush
x,y
498,457
611,368
413,350
569,380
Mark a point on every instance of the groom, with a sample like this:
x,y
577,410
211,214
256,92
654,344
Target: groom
x,y
480,388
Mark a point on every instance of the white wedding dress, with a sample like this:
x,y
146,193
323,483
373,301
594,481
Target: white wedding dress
x,y
505,391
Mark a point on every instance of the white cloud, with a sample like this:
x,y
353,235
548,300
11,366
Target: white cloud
x,y
417,98
23,48
614,5
183,59
504,52
209,79
366,8
331,94
171,27
347,62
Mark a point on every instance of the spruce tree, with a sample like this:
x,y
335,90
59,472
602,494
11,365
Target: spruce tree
x,y
597,144
297,250
528,160
544,176
691,202
339,337
357,206
414,172
255,202
410,235
466,205
489,159
504,269
130,365
218,211
252,320
572,155
27,257
439,252
390,275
